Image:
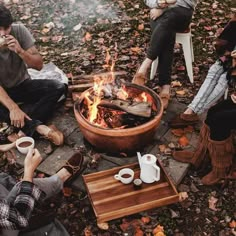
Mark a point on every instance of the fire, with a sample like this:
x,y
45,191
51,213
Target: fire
x,y
104,86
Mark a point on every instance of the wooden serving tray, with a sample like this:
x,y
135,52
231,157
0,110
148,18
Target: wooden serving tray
x,y
111,199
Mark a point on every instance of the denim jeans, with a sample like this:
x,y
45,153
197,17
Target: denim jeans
x,y
162,42
211,90
51,186
38,99
221,120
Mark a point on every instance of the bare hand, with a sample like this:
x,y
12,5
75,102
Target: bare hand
x,y
233,97
32,160
17,117
155,13
13,44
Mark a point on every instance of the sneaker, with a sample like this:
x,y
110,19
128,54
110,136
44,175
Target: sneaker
x,y
74,166
184,120
55,135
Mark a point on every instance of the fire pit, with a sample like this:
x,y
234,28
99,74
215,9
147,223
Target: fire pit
x,y
124,138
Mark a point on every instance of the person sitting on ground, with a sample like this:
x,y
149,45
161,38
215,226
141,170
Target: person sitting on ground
x,y
166,20
216,81
17,205
216,140
39,97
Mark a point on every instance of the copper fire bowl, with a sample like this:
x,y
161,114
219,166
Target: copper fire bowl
x,y
120,140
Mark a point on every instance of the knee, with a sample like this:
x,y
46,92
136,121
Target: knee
x,y
58,87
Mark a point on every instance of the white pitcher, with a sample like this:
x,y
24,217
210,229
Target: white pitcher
x,y
149,171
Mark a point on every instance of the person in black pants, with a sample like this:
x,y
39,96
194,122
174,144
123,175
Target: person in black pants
x,y
215,137
166,20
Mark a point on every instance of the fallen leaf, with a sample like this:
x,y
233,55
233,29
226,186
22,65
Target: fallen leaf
x,y
77,27
87,232
177,132
162,147
158,229
138,232
124,226
212,203
145,219
180,92
88,36
67,191
136,49
103,226
181,68
232,224
183,141
176,83
141,27
183,196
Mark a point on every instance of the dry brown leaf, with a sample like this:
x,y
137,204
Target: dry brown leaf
x,y
145,219
232,224
87,232
183,141
212,203
176,83
67,191
159,234
162,147
158,229
177,132
138,232
103,226
88,36
136,49
183,196
180,92
141,27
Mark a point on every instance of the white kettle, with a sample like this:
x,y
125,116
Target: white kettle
x,y
149,171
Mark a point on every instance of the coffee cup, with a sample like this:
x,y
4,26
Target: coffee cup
x,y
125,175
24,144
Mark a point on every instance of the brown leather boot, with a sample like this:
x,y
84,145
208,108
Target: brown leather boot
x,y
221,154
195,158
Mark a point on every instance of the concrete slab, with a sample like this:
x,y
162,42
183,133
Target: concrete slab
x,y
56,160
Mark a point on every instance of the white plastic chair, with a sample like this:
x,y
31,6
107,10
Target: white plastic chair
x,y
186,40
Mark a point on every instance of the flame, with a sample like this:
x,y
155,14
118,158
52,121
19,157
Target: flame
x,y
144,97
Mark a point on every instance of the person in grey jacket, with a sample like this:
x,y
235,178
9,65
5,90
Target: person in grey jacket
x,y
166,20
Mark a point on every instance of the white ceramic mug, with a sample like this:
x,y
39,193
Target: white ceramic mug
x,y
24,144
125,175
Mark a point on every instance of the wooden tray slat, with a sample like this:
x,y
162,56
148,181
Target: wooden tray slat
x,y
111,199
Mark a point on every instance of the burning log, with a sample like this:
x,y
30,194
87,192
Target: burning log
x,y
142,109
80,87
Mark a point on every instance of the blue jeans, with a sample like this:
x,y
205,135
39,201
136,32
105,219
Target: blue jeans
x,y
38,99
211,90
162,42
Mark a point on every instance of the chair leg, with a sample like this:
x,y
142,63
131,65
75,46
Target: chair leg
x,y
153,69
188,59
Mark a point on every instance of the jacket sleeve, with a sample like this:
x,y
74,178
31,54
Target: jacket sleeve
x,y
16,215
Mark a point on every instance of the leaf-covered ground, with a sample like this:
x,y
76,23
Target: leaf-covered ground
x,y
76,35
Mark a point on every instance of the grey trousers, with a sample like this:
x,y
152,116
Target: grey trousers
x,y
51,186
211,90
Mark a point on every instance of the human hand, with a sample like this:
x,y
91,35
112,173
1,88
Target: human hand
x,y
233,97
17,117
13,44
32,160
155,13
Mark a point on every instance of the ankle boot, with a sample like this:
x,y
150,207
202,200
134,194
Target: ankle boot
x,y
195,158
221,154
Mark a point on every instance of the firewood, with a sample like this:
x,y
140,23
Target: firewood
x,y
136,108
80,87
104,74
